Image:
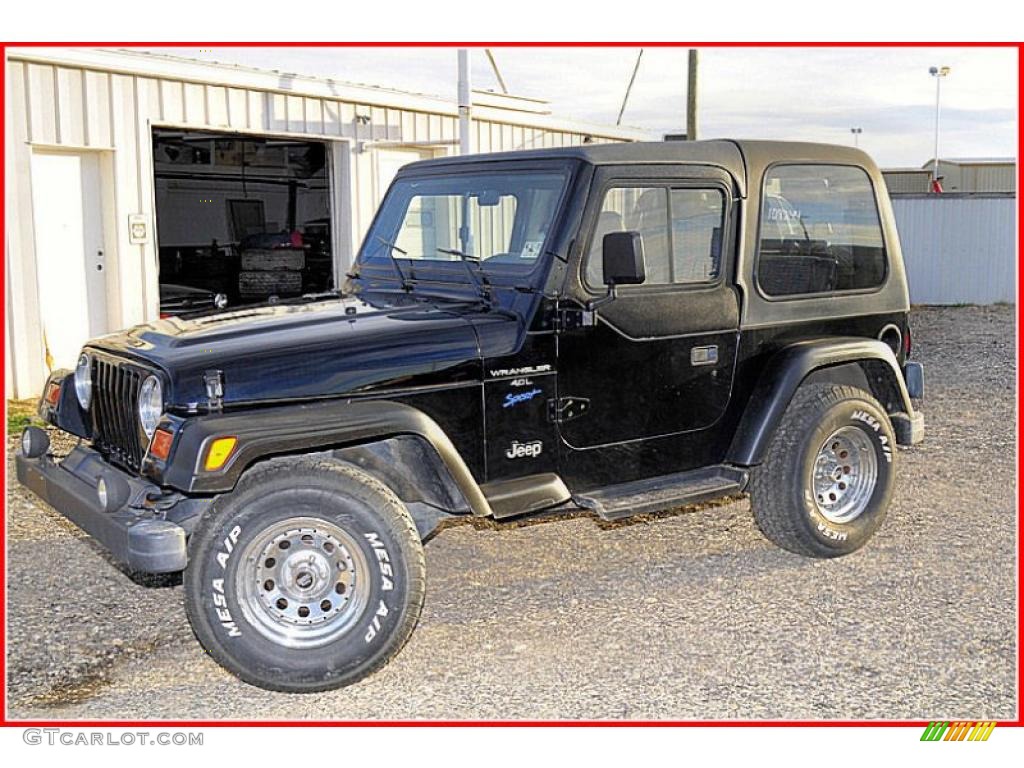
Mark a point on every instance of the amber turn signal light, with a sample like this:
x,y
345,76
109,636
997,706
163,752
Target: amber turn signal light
x,y
219,453
160,447
53,393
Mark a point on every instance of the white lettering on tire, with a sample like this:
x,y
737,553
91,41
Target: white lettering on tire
x,y
374,627
220,605
866,418
387,573
831,533
220,601
229,545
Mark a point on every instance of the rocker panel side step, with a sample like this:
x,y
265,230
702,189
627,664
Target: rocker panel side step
x,y
533,493
657,494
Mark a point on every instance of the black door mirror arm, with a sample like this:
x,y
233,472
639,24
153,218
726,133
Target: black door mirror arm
x,y
612,294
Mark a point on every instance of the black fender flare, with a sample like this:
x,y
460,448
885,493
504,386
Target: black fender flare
x,y
786,370
298,429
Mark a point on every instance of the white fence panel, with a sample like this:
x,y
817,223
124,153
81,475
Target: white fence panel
x,y
958,249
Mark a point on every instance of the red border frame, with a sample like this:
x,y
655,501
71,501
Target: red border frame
x,y
5,722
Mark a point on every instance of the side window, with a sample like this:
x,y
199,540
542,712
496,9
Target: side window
x,y
820,231
681,231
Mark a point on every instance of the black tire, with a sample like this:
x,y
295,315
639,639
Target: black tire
x,y
377,533
782,488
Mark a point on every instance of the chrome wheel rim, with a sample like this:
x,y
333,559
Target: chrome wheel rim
x,y
303,582
844,475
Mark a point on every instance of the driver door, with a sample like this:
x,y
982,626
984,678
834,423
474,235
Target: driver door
x,y
655,364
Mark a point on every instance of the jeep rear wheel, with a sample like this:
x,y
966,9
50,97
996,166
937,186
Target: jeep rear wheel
x,y
309,576
826,482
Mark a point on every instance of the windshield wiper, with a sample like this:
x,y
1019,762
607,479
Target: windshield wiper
x,y
390,248
477,276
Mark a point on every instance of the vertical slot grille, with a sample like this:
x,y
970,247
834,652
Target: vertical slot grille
x,y
114,398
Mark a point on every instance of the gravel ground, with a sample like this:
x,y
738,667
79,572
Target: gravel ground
x,y
690,615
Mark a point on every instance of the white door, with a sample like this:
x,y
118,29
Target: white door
x,y
70,264
390,160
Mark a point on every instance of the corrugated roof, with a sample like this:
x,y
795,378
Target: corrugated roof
x,y
138,62
973,161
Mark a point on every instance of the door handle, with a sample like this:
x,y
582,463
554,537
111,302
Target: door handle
x,y
704,355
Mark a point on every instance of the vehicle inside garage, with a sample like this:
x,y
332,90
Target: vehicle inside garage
x,y
240,219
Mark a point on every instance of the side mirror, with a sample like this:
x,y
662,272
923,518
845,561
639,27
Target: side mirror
x,y
622,255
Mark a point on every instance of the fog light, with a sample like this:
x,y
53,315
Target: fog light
x,y
34,442
112,492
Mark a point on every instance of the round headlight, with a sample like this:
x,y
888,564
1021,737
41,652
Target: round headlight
x,y
83,381
220,301
151,404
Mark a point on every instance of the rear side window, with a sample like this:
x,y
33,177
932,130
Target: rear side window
x,y
820,231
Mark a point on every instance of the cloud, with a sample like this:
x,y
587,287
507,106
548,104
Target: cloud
x,y
796,93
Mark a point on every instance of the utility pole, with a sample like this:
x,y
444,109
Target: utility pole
x,y
465,105
856,135
691,96
938,73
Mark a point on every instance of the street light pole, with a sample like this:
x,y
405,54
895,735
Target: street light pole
x,y
856,135
938,73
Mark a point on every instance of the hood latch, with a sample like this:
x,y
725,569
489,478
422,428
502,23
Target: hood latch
x,y
214,381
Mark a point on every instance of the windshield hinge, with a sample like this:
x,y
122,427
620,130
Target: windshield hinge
x,y
571,318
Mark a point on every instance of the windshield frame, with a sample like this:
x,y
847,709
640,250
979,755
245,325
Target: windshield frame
x,y
373,264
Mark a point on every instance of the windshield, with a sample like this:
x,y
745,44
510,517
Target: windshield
x,y
501,220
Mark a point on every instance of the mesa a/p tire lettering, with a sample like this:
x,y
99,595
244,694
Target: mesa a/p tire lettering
x,y
220,602
309,577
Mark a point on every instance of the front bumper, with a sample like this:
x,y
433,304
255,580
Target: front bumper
x,y
137,534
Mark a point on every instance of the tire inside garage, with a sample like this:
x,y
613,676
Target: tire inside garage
x,y
240,219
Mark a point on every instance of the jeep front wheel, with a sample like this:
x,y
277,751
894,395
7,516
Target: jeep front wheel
x,y
825,485
309,576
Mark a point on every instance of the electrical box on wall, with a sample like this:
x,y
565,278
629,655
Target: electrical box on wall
x,y
138,229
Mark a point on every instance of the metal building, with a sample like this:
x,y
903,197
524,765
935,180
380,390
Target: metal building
x,y
976,174
124,168
904,181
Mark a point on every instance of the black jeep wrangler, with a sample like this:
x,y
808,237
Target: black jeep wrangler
x,y
620,329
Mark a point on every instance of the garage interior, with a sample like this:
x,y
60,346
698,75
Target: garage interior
x,y
243,216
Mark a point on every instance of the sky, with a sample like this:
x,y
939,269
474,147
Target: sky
x,y
777,93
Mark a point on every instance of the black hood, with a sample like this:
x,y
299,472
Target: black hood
x,y
318,349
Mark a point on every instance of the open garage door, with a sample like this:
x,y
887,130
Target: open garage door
x,y
240,219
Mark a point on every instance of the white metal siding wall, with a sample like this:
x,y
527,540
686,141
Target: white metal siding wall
x,y
958,249
978,177
989,178
901,182
84,109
